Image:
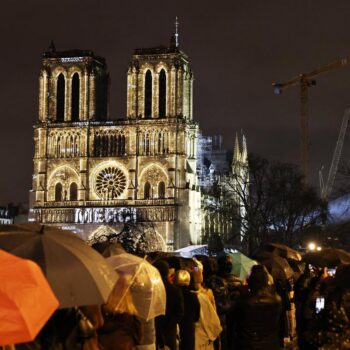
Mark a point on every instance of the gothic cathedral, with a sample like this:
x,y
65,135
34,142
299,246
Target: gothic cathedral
x,y
90,171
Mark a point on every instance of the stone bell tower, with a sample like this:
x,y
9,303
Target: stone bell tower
x,y
73,91
73,86
160,83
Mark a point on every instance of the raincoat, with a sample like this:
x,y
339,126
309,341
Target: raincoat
x,y
208,327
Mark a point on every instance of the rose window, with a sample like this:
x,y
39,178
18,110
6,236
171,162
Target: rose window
x,y
110,183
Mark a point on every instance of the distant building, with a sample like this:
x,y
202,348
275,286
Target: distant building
x,y
222,176
13,214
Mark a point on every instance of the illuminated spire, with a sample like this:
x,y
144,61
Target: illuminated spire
x,y
236,151
176,32
175,37
244,149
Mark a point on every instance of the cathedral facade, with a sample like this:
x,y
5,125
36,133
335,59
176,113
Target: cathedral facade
x,y
90,171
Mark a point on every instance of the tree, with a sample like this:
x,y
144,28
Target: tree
x,y
266,198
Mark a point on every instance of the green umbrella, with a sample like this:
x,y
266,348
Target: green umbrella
x,y
241,264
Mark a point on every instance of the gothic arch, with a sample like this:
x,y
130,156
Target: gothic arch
x,y
60,97
73,191
154,174
75,97
58,192
64,175
148,93
147,190
161,189
162,94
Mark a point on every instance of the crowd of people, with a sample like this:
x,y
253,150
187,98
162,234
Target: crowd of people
x,y
209,308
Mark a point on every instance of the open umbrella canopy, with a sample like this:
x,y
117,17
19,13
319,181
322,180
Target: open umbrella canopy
x,y
241,264
146,286
277,266
282,250
77,274
26,299
327,257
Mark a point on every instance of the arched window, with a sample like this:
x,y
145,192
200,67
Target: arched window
x,y
58,192
161,190
148,94
60,93
73,191
162,94
147,190
75,97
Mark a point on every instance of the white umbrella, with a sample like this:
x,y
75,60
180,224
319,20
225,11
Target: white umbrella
x,y
145,284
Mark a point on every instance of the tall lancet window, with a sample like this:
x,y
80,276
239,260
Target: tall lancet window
x,y
147,190
162,94
75,97
58,192
61,85
148,94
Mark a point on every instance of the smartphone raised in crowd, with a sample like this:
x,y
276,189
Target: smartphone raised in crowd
x,y
319,304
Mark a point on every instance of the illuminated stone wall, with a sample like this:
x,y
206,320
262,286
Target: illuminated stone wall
x,y
90,171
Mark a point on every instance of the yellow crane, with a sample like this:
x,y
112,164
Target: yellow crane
x,y
305,81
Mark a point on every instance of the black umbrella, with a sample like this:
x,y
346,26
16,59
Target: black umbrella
x,y
77,274
282,250
278,267
327,257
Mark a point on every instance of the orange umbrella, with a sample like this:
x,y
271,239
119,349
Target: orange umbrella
x,y
26,299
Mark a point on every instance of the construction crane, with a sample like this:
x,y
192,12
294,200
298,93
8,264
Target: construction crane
x,y
326,189
305,81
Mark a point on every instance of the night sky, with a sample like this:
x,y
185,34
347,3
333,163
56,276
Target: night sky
x,y
236,49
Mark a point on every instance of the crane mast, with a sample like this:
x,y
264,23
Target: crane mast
x,y
305,81
326,189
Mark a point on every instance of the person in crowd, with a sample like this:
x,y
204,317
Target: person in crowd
x,y
221,295
234,289
333,329
122,330
191,310
166,325
257,314
301,290
208,327
148,341
310,322
283,288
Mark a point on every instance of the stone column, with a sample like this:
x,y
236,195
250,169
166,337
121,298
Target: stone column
x,y
155,95
85,104
140,94
68,99
172,92
92,101
179,91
